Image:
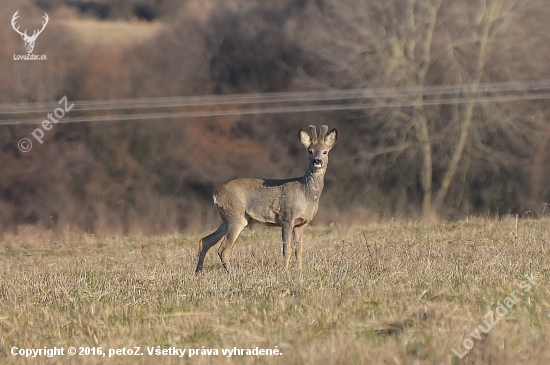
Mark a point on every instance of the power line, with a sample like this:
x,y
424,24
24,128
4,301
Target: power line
x,y
297,96
262,99
282,109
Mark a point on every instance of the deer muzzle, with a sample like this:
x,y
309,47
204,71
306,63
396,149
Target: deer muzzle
x,y
317,163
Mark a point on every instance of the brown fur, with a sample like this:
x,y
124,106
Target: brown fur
x,y
290,203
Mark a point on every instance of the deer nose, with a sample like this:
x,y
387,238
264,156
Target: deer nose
x,y
317,162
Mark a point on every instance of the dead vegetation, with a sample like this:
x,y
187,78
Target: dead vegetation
x,y
422,290
429,155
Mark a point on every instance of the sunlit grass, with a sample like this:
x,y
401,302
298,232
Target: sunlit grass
x,y
389,293
113,33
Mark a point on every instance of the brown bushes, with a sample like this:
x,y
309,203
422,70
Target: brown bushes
x,y
158,175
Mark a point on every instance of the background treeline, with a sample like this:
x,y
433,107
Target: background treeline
x,y
422,157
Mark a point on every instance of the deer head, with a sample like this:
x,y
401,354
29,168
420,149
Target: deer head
x,y
29,41
318,146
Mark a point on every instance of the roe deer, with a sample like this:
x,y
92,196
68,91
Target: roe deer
x,y
290,203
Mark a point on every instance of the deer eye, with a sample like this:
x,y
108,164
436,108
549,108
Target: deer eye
x,y
325,152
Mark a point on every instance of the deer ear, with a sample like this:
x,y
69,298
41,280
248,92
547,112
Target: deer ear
x,y
331,138
305,138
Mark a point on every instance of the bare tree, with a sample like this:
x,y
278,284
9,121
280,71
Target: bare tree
x,y
393,44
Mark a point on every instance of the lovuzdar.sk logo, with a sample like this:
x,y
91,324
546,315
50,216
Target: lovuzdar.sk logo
x,y
29,40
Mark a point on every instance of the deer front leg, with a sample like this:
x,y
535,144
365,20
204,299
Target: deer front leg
x,y
298,248
287,243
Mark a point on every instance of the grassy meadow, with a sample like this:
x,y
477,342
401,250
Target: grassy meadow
x,y
389,293
112,33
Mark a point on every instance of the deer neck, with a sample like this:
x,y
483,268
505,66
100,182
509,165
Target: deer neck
x,y
313,184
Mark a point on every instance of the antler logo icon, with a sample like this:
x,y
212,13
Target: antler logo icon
x,y
29,41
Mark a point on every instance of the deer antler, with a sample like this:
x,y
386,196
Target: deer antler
x,y
313,133
36,31
323,132
13,19
34,34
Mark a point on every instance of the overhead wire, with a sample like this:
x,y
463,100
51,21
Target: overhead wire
x,y
252,103
296,96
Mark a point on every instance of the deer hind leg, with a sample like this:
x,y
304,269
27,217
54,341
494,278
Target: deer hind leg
x,y
207,242
298,248
224,251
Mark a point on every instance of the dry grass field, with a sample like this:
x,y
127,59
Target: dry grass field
x,y
112,33
402,293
